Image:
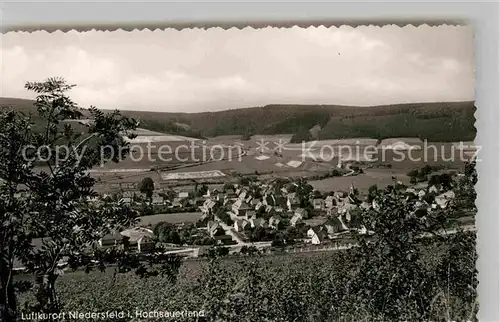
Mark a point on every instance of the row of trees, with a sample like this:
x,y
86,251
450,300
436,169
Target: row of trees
x,y
187,234
422,174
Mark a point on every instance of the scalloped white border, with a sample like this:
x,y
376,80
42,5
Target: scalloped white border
x,y
76,28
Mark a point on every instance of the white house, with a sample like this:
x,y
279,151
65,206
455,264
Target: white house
x,y
318,203
444,199
339,195
142,237
365,205
157,200
127,200
433,189
292,201
207,206
330,202
242,195
183,194
301,212
411,190
316,234
295,219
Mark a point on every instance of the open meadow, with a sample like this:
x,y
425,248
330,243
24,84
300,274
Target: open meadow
x,y
389,159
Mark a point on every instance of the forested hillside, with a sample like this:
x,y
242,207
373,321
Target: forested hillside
x,y
433,121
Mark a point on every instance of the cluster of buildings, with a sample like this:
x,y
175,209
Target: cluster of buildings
x,y
324,217
229,213
169,199
267,206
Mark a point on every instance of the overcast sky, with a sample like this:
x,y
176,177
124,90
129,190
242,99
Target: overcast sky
x,y
197,70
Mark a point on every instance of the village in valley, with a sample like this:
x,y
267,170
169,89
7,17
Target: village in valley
x,y
270,200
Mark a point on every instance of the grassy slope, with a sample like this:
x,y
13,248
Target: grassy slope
x,y
306,280
432,121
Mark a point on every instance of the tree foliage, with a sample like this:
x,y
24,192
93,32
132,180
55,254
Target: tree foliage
x,y
46,191
147,187
301,135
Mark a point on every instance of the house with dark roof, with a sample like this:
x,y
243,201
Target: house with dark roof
x,y
258,222
139,237
215,229
223,240
230,193
333,225
111,239
240,225
249,214
240,207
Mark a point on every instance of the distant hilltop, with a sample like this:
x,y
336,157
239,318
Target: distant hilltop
x,y
438,122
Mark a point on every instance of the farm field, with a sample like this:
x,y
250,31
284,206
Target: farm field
x,y
145,136
192,175
173,218
267,165
379,177
252,141
249,157
317,144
